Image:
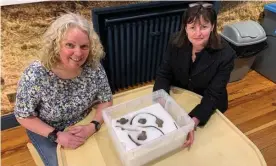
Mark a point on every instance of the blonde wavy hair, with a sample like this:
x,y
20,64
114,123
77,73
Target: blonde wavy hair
x,y
55,33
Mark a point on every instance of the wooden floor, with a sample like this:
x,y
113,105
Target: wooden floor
x,y
252,108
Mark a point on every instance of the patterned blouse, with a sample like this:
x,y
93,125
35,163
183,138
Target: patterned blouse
x,y
60,102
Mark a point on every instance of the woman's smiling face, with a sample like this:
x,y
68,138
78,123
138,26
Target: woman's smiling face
x,y
74,49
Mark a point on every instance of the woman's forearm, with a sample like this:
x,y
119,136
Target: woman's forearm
x,y
98,116
36,125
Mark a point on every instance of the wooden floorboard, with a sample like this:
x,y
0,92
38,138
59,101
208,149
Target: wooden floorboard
x,y
253,124
269,155
14,151
259,103
252,108
253,82
18,136
265,140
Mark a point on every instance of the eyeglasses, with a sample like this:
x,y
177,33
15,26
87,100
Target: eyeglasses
x,y
205,5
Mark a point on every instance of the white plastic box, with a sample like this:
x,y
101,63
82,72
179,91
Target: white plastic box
x,y
159,146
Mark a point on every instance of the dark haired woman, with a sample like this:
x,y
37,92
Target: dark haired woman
x,y
197,59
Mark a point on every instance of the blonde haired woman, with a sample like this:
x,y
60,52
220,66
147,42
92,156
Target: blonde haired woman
x,y
59,90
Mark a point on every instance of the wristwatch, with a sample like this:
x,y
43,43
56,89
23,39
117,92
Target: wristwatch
x,y
52,136
97,125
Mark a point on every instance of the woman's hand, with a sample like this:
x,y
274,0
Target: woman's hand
x,y
190,136
68,140
83,131
189,139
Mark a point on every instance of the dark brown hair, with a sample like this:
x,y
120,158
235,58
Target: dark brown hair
x,y
193,14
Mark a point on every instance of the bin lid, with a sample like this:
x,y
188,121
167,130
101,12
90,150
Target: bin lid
x,y
244,33
271,7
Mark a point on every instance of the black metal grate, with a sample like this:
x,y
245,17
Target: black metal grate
x,y
135,48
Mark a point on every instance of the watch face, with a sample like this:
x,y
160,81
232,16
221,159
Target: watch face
x,y
97,125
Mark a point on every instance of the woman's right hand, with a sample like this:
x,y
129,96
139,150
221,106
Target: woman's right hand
x,y
68,140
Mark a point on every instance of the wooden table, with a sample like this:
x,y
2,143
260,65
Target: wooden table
x,y
218,143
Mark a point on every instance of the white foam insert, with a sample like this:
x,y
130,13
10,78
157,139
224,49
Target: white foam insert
x,y
136,128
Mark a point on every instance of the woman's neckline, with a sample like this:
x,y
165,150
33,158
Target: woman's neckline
x,y
62,74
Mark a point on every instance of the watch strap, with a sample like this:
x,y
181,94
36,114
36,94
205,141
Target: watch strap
x,y
52,136
97,125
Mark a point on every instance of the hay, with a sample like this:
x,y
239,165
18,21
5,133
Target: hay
x,y
23,25
231,12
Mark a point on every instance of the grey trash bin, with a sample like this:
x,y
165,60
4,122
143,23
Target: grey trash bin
x,y
265,62
247,38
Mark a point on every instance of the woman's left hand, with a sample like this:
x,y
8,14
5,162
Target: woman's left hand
x,y
83,131
189,139
190,136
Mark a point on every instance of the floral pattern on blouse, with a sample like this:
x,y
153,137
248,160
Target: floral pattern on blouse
x,y
60,102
